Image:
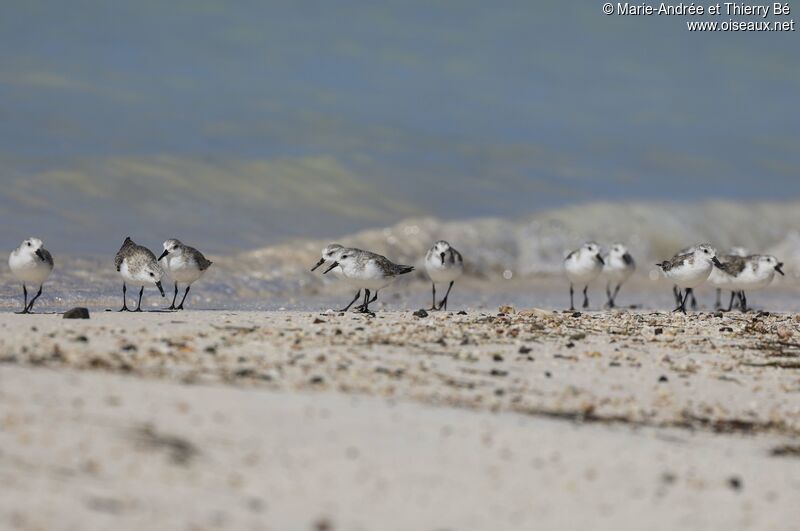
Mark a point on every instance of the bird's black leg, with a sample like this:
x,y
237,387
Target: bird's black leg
x,y
742,302
433,304
730,304
609,298
681,307
185,293
358,294
174,298
444,301
370,301
25,301
614,296
676,292
689,293
124,299
571,304
365,308
585,297
30,304
139,305
693,300
374,298
718,302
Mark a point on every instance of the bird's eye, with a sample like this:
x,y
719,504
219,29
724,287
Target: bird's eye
x,y
29,244
152,275
343,257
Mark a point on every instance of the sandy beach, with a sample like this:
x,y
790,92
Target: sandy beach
x,y
299,420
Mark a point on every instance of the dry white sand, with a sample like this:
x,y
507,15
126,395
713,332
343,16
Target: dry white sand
x,y
259,420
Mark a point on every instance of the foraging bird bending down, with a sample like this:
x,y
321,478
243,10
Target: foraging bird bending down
x,y
749,273
138,266
368,271
689,270
718,277
582,266
619,266
31,264
328,255
183,264
443,264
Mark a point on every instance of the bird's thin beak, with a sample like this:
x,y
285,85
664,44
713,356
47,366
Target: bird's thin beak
x,y
321,261
158,285
442,256
165,253
600,259
779,269
333,265
716,262
40,254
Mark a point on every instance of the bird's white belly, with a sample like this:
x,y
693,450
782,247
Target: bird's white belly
x,y
164,263
582,273
129,278
339,274
370,277
29,270
689,276
749,281
720,279
443,273
182,271
618,274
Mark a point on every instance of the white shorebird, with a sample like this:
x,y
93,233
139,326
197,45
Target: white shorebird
x,y
582,266
368,271
689,270
443,264
718,277
619,266
676,291
743,274
328,254
183,264
138,266
31,264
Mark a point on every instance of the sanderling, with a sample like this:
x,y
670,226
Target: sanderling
x,y
30,263
749,273
183,264
689,270
719,278
619,266
137,265
328,255
676,291
582,266
367,270
444,264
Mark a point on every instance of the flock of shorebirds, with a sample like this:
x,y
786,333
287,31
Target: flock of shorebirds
x,y
737,272
370,272
32,264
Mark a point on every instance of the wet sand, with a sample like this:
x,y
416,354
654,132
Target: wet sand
x,y
290,420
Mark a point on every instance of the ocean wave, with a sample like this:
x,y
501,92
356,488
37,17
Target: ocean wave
x,y
537,245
